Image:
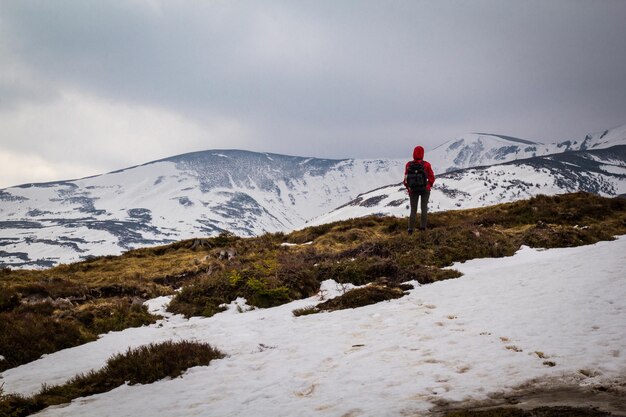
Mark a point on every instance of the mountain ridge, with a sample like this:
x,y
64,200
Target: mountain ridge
x,y
187,195
204,193
482,149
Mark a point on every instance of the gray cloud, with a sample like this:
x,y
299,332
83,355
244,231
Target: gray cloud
x,y
321,78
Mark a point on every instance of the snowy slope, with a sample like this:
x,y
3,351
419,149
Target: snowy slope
x,y
482,149
191,195
470,338
601,171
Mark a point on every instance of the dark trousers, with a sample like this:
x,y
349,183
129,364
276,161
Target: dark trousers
x,y
414,196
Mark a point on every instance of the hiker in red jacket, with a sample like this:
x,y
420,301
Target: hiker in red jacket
x,y
418,179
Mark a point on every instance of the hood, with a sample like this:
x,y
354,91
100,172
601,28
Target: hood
x,y
418,153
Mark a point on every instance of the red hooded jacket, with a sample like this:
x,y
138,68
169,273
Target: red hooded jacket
x,y
418,156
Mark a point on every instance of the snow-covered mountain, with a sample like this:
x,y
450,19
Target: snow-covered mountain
x,y
190,195
482,149
248,193
599,171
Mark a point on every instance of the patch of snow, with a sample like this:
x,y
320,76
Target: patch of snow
x,y
295,244
614,169
237,306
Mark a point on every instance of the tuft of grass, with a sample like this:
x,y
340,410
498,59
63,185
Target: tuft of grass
x,y
142,365
305,311
360,297
357,297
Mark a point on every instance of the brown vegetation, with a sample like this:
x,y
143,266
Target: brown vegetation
x,y
142,365
535,412
358,297
101,294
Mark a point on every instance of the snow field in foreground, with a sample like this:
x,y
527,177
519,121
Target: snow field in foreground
x,y
452,340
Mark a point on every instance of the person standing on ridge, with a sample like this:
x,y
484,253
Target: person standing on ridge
x,y
418,179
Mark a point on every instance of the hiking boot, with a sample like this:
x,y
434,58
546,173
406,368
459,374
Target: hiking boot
x,y
410,231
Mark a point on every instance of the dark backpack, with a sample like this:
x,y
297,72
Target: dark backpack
x,y
416,178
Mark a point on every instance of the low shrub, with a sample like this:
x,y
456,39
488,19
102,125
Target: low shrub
x,y
114,315
9,298
25,337
264,279
34,329
15,405
53,287
309,234
142,365
357,297
296,271
544,235
561,411
203,297
358,271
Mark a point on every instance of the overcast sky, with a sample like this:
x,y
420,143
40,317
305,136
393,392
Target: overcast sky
x,y
87,87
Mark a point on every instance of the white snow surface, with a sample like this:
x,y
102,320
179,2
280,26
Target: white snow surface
x,y
454,340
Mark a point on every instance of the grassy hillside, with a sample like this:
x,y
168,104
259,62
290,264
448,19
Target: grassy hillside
x,y
45,311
